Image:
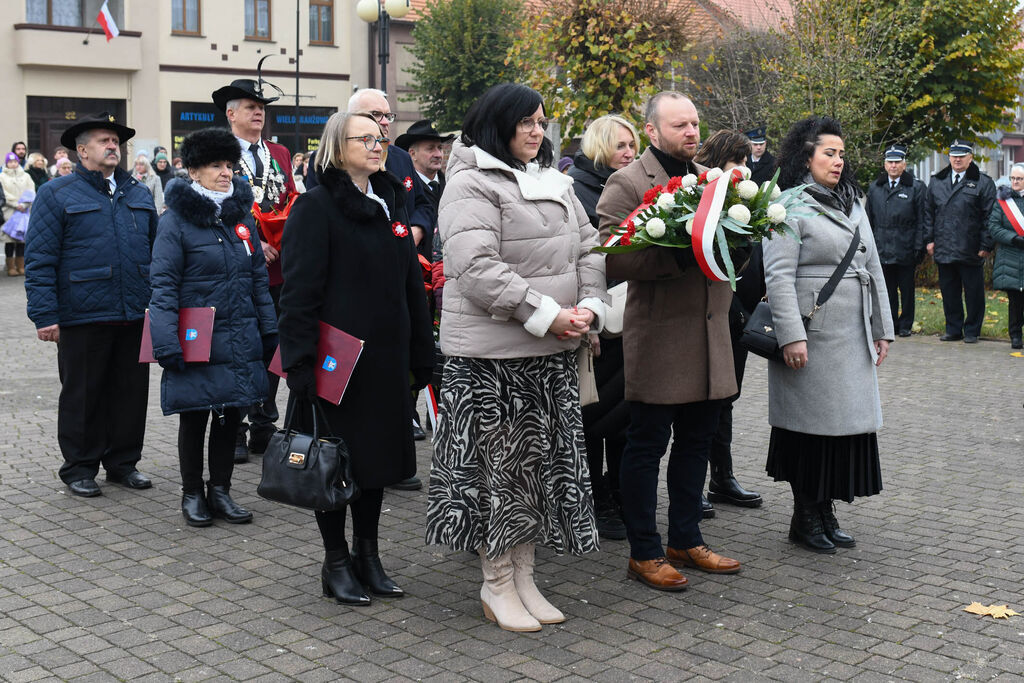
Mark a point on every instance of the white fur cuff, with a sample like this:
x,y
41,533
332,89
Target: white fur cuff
x,y
599,309
538,323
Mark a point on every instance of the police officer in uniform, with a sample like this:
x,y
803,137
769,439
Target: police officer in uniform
x,y
959,200
895,207
760,162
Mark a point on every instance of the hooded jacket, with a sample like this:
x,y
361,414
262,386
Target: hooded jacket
x,y
956,218
517,249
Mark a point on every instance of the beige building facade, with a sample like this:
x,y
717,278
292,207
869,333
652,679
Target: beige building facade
x,y
158,74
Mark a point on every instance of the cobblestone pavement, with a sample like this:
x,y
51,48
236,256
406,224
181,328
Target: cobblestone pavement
x,y
117,588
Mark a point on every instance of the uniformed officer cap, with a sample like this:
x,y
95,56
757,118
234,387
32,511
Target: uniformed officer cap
x,y
960,148
757,135
896,153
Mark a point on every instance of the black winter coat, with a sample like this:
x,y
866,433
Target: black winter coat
x,y
897,218
344,265
956,218
199,260
762,170
588,183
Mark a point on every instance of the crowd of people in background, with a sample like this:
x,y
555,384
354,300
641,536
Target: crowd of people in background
x,y
485,242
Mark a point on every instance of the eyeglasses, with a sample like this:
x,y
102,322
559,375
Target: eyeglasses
x,y
370,141
380,116
526,124
1016,177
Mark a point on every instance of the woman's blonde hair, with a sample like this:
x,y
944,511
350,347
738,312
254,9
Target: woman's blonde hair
x,y
332,142
33,158
602,137
144,159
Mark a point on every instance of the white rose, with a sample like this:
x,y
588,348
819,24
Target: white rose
x,y
775,190
747,189
714,173
666,200
689,180
745,171
739,213
776,213
655,227
689,227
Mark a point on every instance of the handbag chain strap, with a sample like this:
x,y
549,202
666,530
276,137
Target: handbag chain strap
x,y
837,275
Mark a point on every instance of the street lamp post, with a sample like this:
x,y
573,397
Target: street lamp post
x,y
372,11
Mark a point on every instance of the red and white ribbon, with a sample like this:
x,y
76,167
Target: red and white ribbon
x,y
614,238
705,223
1013,215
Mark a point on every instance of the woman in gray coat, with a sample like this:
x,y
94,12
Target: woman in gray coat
x,y
823,401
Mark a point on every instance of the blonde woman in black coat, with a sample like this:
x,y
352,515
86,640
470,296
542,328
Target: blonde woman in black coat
x,y
349,260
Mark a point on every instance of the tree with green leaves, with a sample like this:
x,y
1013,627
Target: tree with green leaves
x,y
588,58
460,48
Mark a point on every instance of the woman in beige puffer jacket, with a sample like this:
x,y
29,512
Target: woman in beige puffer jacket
x,y
523,287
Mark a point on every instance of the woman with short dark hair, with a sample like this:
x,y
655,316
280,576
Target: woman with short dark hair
x,y
823,401
522,287
725,149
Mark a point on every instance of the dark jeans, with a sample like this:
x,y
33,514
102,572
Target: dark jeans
x,y
191,433
899,277
647,439
262,417
101,413
1016,312
960,284
365,520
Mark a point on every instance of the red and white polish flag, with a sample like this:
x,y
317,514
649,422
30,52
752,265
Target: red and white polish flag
x,y
106,20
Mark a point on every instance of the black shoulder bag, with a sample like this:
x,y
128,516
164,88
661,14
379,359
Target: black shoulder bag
x,y
307,470
759,333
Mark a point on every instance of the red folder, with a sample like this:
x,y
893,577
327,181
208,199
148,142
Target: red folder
x,y
336,357
195,333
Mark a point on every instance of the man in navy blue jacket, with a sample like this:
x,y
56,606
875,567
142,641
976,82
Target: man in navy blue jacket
x,y
87,254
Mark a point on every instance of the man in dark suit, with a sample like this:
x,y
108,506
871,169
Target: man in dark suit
x,y
426,149
760,162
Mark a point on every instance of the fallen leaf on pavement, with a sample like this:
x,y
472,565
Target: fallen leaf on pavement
x,y
995,611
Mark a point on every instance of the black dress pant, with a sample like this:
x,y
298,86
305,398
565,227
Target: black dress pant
x,y
192,433
1015,310
263,416
721,442
900,277
605,422
651,426
365,520
101,414
961,283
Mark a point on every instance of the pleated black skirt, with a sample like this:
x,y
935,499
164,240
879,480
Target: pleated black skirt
x,y
825,467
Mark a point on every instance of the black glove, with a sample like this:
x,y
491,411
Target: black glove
x,y
302,381
269,347
1017,241
421,377
684,257
740,257
175,361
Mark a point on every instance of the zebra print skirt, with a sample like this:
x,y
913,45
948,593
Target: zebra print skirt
x,y
510,462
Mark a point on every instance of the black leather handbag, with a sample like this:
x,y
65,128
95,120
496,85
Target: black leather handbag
x,y
759,333
307,470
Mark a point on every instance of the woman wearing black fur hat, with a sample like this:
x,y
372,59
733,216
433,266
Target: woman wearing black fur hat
x,y
205,255
350,261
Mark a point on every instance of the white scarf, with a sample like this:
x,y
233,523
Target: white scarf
x,y
214,196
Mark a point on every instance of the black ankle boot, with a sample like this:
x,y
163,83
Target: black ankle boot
x,y
831,525
368,569
241,447
194,510
338,580
723,487
707,510
806,528
222,506
608,514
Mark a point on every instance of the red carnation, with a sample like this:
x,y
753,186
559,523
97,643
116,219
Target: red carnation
x,y
674,184
651,195
631,229
703,178
625,241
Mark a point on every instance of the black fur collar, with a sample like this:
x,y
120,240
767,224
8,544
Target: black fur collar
x,y
341,188
906,180
198,210
1005,192
972,173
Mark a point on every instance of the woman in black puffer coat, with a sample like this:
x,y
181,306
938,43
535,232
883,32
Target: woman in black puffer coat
x,y
205,255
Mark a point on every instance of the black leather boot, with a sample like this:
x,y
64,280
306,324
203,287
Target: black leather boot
x,y
194,510
338,580
368,569
241,447
723,487
831,524
806,528
222,506
607,511
707,510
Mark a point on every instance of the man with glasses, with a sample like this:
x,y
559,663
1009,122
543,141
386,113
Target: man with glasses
x,y
895,208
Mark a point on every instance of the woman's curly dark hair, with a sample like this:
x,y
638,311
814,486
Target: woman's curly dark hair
x,y
798,146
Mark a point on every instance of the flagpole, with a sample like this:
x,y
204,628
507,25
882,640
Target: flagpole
x,y
88,34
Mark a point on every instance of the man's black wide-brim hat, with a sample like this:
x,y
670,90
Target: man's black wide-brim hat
x,y
104,120
209,145
242,88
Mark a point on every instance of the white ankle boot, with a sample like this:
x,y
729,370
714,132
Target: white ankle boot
x,y
542,610
499,597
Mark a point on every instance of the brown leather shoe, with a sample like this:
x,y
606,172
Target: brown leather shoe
x,y
657,573
702,558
